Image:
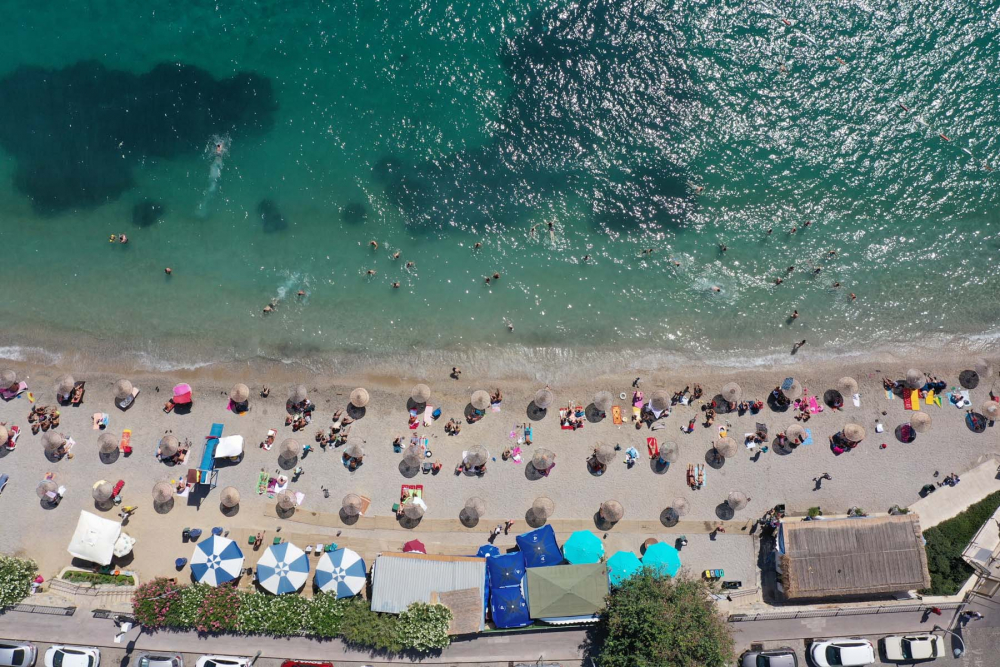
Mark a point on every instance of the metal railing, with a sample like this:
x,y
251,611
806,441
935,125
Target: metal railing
x,y
849,611
41,609
107,613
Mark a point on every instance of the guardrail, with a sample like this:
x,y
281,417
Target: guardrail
x,y
107,613
849,611
41,609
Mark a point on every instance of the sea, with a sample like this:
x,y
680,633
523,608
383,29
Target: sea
x,y
638,173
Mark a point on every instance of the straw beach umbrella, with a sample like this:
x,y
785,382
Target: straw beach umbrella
x,y
680,506
46,487
107,443
854,432
603,400
612,511
796,434
52,442
480,399
544,398
605,453
413,510
915,379
299,394
123,389
414,455
64,385
289,449
229,497
359,397
660,400
168,446
543,508
102,491
920,421
162,493
794,391
669,452
420,394
990,410
285,501
351,504
8,378
737,500
354,451
240,393
476,456
847,386
726,447
732,392
475,508
543,459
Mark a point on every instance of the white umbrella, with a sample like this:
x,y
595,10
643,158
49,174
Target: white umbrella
x,y
216,560
283,568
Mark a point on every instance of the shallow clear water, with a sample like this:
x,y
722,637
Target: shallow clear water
x,y
431,126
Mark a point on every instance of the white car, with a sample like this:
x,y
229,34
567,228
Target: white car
x,y
222,661
73,656
17,654
851,652
909,648
160,660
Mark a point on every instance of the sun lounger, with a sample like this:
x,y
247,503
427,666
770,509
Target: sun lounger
x,y
857,400
3,482
125,444
428,415
653,447
915,399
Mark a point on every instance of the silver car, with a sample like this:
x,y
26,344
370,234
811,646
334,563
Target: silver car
x,y
160,660
772,657
17,654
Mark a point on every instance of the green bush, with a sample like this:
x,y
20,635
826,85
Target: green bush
x,y
363,627
947,540
98,578
424,627
324,615
218,610
157,604
16,575
272,614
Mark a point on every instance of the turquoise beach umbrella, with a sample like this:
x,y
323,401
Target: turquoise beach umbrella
x,y
662,557
623,565
583,547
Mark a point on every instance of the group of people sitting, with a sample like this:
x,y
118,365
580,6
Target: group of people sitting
x,y
453,427
678,396
784,441
803,414
779,398
43,418
841,444
338,432
931,383
753,407
571,417
74,397
301,417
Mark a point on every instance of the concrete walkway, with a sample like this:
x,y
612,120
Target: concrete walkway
x,y
948,501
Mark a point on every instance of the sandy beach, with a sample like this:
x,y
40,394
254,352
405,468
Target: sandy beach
x,y
868,477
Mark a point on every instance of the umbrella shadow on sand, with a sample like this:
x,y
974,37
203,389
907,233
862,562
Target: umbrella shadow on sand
x,y
669,517
355,412
531,473
724,512
349,519
535,413
287,464
284,513
229,511
601,523
905,435
658,466
407,471
968,379
594,415
408,523
714,459
533,519
163,508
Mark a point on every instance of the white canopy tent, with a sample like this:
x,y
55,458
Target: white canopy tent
x,y
230,446
97,539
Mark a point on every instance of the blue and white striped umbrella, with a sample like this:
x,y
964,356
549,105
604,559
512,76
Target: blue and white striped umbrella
x,y
341,572
283,568
216,560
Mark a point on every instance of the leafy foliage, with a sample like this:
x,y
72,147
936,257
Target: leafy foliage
x,y
16,575
218,610
157,604
324,615
424,627
652,620
947,540
98,578
271,614
363,627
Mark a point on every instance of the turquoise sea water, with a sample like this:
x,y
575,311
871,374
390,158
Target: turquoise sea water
x,y
431,126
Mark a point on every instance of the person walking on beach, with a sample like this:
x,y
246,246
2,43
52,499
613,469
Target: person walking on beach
x,y
507,526
819,480
495,533
456,372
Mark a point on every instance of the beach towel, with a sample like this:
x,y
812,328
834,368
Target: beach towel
x,y
515,455
814,406
636,412
495,407
723,432
124,444
915,399
8,395
889,395
616,415
857,400
261,483
428,415
908,401
809,438
965,402
100,420
685,400
653,447
748,440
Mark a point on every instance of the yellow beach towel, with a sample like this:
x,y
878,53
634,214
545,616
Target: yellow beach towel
x,y
915,399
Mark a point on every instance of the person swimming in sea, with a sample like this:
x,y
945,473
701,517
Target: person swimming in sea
x,y
477,245
395,285
370,272
396,254
374,244
411,264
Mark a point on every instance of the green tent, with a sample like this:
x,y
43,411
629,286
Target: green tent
x,y
566,590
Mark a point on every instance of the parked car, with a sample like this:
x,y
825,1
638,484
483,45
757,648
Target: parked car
x,y
73,656
17,654
160,660
909,648
222,661
772,657
305,663
849,652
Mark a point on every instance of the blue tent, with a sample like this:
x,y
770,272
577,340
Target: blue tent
x,y
539,547
505,571
509,608
487,550
622,565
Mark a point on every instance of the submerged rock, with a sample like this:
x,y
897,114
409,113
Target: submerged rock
x,y
354,213
270,216
147,213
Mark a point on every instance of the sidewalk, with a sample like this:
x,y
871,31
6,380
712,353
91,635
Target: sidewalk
x,y
948,501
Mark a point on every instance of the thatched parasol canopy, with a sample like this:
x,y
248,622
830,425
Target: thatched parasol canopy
x,y
359,397
8,378
612,511
289,449
794,391
732,392
796,434
53,441
476,456
413,455
726,447
737,500
285,501
420,394
108,443
660,400
230,497
168,446
603,400
847,386
544,398
411,510
475,507
605,453
982,367
543,507
102,491
45,487
680,506
123,389
480,399
352,504
543,459
854,432
65,384
669,452
920,421
299,394
915,379
240,393
354,451
162,492
990,410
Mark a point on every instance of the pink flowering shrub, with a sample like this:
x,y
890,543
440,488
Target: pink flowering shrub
x,y
156,603
219,609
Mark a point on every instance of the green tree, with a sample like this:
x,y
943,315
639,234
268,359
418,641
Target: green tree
x,y
424,627
325,614
654,621
363,627
16,575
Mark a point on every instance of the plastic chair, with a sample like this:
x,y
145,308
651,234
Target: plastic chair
x,y
180,563
217,530
195,533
